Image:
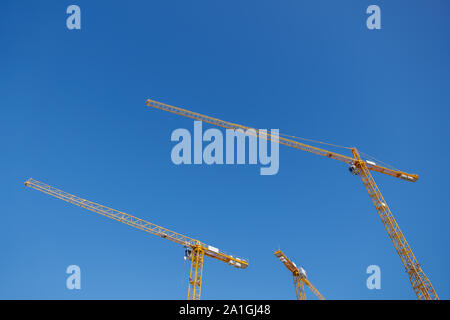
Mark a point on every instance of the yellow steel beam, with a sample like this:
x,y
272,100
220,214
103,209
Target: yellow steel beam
x,y
281,140
299,288
312,288
195,277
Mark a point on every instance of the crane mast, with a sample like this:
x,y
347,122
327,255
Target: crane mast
x,y
196,250
419,281
299,277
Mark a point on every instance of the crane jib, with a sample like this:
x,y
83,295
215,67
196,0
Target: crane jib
x,y
279,139
138,223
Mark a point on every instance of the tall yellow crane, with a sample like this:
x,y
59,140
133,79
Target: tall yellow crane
x,y
419,281
300,278
195,249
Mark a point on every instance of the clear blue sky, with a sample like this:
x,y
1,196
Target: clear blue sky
x,y
74,116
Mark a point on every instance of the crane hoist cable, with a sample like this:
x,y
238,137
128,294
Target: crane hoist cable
x,y
357,166
195,250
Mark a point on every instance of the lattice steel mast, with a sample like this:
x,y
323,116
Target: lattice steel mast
x,y
299,275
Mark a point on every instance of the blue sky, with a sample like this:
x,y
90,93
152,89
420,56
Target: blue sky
x,y
74,116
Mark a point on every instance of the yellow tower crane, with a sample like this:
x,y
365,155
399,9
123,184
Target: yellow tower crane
x,y
300,278
195,249
419,281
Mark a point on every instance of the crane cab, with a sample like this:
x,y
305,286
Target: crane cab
x,y
187,253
